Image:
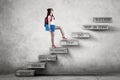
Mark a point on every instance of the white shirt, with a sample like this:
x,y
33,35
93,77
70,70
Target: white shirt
x,y
53,20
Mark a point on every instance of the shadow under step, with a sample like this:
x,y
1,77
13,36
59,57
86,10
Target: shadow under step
x,y
33,73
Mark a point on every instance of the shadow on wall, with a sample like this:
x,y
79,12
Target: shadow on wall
x,y
5,62
6,68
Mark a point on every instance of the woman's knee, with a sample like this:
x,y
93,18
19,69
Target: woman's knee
x,y
59,27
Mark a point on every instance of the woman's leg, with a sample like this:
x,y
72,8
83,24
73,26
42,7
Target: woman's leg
x,y
62,33
52,39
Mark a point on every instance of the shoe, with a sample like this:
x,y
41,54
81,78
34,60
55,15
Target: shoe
x,y
64,38
53,46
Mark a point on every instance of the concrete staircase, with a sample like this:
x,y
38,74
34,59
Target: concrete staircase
x,y
39,68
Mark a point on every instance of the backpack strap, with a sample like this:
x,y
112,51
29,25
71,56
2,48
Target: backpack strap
x,y
50,18
46,19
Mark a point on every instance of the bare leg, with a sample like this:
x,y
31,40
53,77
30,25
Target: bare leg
x,y
62,33
52,40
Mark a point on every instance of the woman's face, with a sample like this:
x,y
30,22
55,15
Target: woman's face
x,y
51,12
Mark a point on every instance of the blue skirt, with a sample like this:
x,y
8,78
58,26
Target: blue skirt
x,y
52,28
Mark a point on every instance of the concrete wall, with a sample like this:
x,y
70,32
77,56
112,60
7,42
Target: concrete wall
x,y
23,37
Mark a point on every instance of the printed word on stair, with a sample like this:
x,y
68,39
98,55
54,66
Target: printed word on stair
x,y
36,65
25,72
80,35
96,27
47,57
69,42
59,50
102,19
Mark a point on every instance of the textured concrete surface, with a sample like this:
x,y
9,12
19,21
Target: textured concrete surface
x,y
23,37
12,77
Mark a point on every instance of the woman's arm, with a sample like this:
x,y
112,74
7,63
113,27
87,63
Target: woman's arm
x,y
49,22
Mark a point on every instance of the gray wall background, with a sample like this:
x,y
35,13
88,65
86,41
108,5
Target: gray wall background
x,y
23,38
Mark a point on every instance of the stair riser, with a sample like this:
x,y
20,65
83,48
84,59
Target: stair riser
x,y
36,65
96,27
48,58
25,73
80,35
59,50
102,19
69,43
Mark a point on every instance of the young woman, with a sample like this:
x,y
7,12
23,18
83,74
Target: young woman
x,y
50,26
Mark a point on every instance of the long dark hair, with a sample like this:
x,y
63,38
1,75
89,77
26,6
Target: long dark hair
x,y
48,13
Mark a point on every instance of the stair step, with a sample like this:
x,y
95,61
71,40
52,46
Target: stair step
x,y
69,42
48,57
36,65
81,35
102,19
96,27
59,50
25,73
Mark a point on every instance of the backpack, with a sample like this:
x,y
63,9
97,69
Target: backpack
x,y
46,19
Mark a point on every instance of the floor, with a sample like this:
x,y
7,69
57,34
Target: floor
x,y
107,77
